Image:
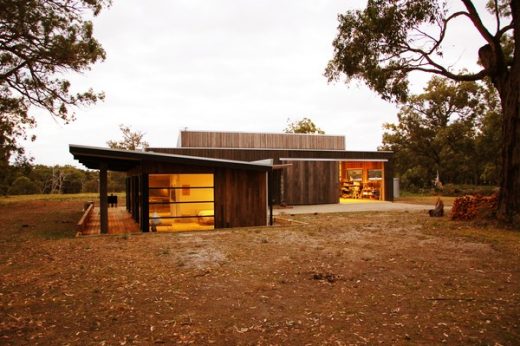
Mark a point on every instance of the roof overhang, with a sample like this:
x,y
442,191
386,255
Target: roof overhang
x,y
331,159
125,160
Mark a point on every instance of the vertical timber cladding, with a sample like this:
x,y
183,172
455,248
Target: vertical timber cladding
x,y
388,169
240,198
203,139
311,182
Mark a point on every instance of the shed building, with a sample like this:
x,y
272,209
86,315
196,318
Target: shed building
x,y
232,179
318,169
166,192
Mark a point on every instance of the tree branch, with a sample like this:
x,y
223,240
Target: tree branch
x,y
477,22
504,30
12,71
497,15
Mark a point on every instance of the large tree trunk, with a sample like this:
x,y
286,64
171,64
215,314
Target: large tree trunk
x,y
507,82
509,197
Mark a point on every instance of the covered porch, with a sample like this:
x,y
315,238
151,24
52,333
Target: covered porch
x,y
120,221
167,192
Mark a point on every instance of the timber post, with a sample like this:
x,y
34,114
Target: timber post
x,y
103,198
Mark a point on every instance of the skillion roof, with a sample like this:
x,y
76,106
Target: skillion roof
x,y
124,160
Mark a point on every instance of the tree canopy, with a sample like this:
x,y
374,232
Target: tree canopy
x,y
23,179
387,40
304,125
132,140
451,128
40,40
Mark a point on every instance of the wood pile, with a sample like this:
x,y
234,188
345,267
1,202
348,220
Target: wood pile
x,y
470,207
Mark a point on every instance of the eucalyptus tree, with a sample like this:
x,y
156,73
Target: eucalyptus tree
x,y
387,40
41,41
132,140
447,129
304,125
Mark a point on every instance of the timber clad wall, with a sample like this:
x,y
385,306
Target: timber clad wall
x,y
201,139
240,195
311,182
239,190
312,178
322,185
276,154
240,198
388,168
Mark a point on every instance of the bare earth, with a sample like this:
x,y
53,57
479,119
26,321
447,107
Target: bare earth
x,y
333,279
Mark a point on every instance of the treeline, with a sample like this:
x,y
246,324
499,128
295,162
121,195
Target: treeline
x,y
26,179
454,129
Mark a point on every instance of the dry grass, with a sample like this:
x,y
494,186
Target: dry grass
x,y
357,278
55,197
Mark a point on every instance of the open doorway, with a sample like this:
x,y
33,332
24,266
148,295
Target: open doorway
x,y
361,181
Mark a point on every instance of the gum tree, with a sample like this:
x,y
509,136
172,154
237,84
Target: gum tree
x,y
132,140
383,43
305,125
40,40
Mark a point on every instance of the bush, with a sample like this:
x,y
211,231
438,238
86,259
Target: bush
x,y
462,190
23,186
414,179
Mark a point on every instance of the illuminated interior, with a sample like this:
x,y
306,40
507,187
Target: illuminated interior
x,y
181,202
361,180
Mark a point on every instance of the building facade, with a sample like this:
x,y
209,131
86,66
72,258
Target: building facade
x,y
308,168
231,179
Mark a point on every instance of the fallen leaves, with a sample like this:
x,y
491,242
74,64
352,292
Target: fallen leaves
x,y
357,279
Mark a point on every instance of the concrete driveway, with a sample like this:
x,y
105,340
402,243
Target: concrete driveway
x,y
355,206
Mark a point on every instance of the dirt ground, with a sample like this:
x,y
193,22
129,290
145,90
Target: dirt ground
x,y
331,279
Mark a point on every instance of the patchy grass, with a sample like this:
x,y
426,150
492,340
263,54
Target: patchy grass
x,y
36,220
56,197
355,278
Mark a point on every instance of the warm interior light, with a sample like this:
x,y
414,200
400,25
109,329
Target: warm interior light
x,y
180,202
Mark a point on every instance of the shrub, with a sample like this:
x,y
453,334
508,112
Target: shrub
x,y
462,190
23,186
414,179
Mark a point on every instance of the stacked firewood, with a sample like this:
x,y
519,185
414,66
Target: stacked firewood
x,y
470,207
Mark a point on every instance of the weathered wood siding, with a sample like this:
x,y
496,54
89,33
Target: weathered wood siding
x,y
201,139
240,195
388,172
276,154
240,198
311,182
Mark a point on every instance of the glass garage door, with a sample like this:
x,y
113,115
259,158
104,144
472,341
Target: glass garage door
x,y
181,202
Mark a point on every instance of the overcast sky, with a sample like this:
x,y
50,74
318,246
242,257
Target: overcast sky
x,y
223,65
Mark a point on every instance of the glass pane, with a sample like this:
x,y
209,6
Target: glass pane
x,y
159,195
182,217
159,180
186,224
187,194
180,210
180,180
375,174
192,180
181,202
355,174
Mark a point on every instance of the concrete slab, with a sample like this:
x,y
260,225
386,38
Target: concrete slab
x,y
351,207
